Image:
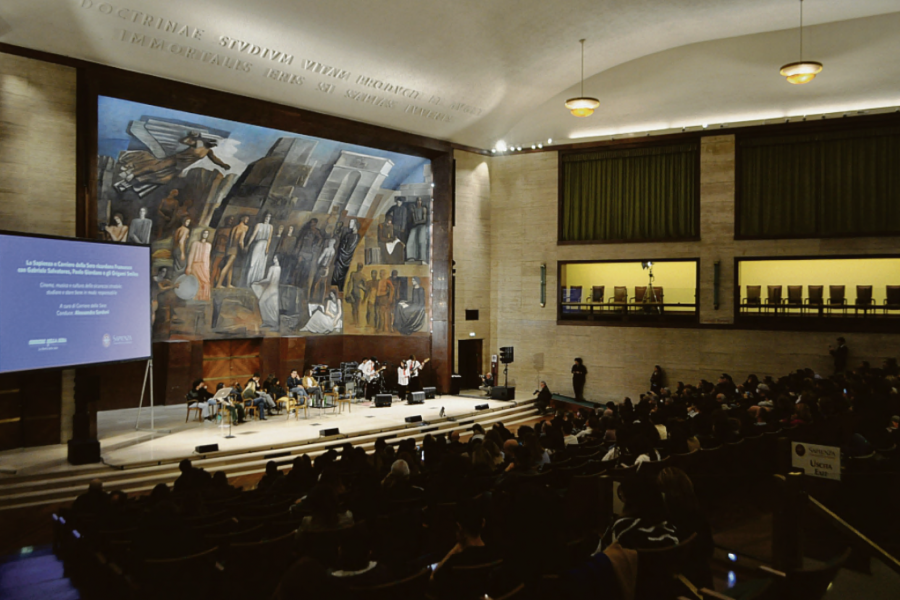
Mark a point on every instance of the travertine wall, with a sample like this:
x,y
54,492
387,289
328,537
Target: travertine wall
x,y
523,234
472,251
37,162
37,146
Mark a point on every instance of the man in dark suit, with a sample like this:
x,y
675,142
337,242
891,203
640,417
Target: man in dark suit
x,y
840,355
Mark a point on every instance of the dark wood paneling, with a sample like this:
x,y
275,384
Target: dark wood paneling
x,y
173,371
325,349
270,357
216,349
292,355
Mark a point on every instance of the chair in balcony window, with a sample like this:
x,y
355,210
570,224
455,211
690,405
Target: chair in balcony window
x,y
863,299
754,297
892,298
794,297
597,293
773,297
639,291
836,298
814,299
620,296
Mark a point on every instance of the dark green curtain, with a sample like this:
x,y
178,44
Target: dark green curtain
x,y
638,194
835,184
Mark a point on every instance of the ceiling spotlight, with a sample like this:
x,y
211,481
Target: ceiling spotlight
x,y
519,148
802,71
582,106
493,149
550,140
533,146
540,145
705,125
501,146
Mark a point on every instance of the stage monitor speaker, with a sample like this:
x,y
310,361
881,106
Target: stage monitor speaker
x,y
499,392
481,407
415,419
206,448
84,452
329,432
417,398
382,400
430,392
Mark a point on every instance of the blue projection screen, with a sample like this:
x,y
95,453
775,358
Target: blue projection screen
x,y
67,302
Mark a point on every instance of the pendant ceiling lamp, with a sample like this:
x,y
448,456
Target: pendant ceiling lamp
x,y
802,71
582,106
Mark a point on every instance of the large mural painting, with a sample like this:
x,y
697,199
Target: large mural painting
x,y
258,232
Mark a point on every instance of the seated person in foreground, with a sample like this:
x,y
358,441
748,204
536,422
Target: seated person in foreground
x,y
325,511
357,569
468,551
644,522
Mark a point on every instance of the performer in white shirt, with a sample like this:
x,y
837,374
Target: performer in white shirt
x,y
415,367
402,380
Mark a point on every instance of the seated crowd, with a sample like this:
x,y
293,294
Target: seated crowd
x,y
493,512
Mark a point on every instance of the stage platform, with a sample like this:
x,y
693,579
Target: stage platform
x,y
121,446
135,461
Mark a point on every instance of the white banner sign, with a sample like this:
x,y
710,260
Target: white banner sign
x,y
817,461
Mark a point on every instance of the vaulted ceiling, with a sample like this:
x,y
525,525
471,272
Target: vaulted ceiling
x,y
479,71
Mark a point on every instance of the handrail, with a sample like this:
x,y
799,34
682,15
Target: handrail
x,y
845,528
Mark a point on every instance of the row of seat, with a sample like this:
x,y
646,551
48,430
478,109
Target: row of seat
x,y
815,299
620,295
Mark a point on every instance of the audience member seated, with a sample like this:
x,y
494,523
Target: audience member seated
x,y
644,523
469,550
685,514
356,567
544,396
397,486
326,513
94,501
273,478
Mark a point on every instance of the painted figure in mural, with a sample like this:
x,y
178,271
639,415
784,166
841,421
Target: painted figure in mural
x,y
118,231
349,242
140,228
411,315
273,245
417,244
356,290
179,246
319,286
159,284
285,254
338,231
384,300
327,318
266,290
235,244
140,167
259,250
400,218
220,248
371,293
307,240
198,264
391,246
166,212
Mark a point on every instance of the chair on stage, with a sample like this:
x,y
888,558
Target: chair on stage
x,y
295,405
196,406
836,298
249,407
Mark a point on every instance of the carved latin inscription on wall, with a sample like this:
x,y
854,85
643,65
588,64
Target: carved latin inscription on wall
x,y
159,34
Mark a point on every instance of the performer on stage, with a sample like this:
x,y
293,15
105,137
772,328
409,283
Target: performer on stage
x,y
252,391
199,394
415,367
233,405
367,371
295,386
312,387
402,380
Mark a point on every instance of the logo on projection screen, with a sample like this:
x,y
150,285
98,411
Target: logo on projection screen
x,y
107,340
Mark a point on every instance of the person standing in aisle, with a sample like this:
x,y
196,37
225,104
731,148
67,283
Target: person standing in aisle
x,y
579,374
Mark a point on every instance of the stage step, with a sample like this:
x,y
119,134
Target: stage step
x,y
52,488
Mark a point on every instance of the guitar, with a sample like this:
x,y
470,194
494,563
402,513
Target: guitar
x,y
415,372
374,375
